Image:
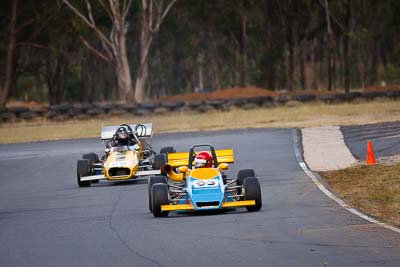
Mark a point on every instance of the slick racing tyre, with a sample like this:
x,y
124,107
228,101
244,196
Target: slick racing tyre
x,y
159,194
159,161
252,191
82,169
92,158
154,180
242,174
166,150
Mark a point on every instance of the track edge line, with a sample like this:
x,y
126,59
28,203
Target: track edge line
x,y
317,182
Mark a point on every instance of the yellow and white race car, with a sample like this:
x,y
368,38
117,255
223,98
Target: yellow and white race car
x,y
122,162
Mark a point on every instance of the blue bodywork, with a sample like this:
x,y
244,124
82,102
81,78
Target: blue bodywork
x,y
205,194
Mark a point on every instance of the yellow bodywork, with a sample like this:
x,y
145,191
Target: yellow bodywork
x,y
123,160
182,158
204,173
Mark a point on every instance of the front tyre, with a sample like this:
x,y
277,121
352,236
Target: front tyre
x,y
159,194
93,158
154,180
83,169
252,191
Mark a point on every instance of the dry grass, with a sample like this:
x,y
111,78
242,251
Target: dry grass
x,y
299,115
373,189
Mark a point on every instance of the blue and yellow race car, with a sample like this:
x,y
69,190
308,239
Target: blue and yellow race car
x,y
187,186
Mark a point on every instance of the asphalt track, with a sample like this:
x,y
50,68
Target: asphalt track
x,y
385,138
46,220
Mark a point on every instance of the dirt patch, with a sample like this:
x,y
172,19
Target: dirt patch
x,y
29,104
313,92
382,88
222,94
248,92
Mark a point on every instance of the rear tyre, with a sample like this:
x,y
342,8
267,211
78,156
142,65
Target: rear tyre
x,y
252,191
159,193
242,174
159,161
154,180
82,169
167,149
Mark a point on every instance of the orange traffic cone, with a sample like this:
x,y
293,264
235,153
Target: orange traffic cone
x,y
370,154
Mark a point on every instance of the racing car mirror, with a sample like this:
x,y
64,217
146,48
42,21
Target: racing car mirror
x,y
183,169
223,166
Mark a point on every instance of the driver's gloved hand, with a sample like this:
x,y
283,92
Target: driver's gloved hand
x,y
135,147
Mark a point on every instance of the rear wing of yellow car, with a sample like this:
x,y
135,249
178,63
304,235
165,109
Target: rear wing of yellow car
x,y
144,130
182,158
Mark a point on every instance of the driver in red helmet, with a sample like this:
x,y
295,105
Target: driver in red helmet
x,y
203,160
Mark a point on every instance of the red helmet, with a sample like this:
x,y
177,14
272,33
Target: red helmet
x,y
203,160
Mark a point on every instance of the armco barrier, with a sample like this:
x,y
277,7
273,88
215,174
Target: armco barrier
x,y
82,111
304,98
327,98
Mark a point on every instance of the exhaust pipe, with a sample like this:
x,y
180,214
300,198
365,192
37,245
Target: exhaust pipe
x,y
168,171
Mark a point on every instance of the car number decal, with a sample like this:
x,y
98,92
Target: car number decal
x,y
118,164
207,183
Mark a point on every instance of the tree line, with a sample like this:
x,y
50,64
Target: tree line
x,y
135,50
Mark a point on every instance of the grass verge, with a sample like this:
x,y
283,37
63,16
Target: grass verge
x,y
298,115
375,189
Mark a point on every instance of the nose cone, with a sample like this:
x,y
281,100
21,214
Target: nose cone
x,y
121,165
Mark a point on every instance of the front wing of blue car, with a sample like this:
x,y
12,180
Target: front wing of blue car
x,y
190,207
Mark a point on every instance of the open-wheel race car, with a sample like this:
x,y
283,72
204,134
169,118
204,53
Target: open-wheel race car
x,y
128,155
193,182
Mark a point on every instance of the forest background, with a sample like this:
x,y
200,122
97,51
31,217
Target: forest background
x,y
56,51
